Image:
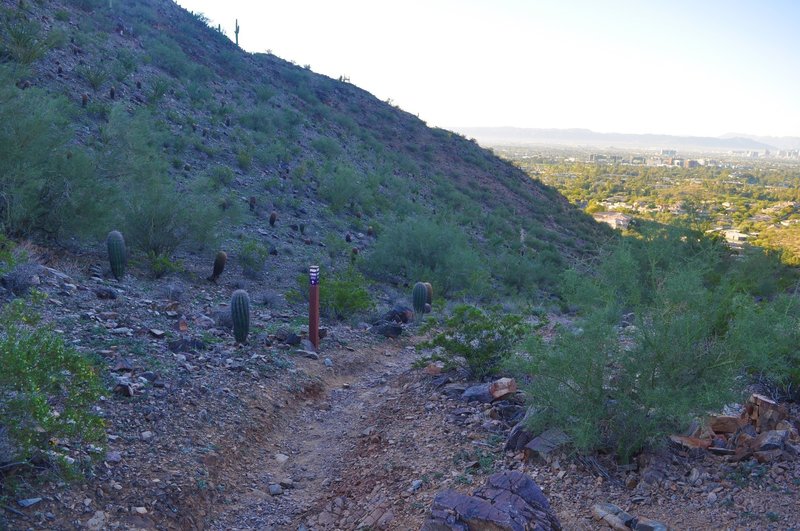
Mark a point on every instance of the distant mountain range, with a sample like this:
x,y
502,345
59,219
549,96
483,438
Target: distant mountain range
x,y
588,138
779,142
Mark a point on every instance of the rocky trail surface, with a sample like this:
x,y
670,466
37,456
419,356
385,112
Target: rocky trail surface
x,y
204,434
312,457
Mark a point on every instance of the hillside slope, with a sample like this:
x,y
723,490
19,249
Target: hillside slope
x,y
148,81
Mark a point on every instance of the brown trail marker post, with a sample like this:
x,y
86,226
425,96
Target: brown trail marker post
x,y
313,305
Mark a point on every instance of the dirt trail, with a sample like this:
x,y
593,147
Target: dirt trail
x,y
312,451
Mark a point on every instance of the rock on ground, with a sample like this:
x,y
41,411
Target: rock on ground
x,y
510,501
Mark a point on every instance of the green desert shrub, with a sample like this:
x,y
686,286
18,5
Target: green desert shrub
x,y
663,337
126,64
253,257
7,259
94,75
607,394
484,338
220,177
156,216
158,88
244,158
342,295
158,219
344,188
327,147
167,54
22,40
261,120
49,185
47,388
418,247
524,274
162,264
765,335
264,93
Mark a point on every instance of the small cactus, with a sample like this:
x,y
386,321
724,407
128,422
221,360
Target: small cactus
x,y
252,203
219,265
419,296
138,84
84,99
370,231
272,218
112,92
428,287
117,253
240,315
348,238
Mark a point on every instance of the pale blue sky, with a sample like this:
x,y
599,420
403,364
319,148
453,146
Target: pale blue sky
x,y
677,67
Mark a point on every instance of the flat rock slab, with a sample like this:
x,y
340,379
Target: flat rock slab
x,y
545,443
510,501
614,516
479,393
770,440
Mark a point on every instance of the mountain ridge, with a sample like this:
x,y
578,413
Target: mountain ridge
x,y
587,137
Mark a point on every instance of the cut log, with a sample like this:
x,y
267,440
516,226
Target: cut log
x,y
765,414
725,423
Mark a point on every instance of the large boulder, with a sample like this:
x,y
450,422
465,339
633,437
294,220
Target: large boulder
x,y
510,501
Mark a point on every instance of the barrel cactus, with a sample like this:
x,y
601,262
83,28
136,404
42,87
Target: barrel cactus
x,y
219,265
117,253
240,315
429,288
419,297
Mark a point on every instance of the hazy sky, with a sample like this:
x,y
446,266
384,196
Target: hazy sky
x,y
699,67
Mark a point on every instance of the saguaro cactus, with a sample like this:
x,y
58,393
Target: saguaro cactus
x,y
240,315
117,253
419,296
219,265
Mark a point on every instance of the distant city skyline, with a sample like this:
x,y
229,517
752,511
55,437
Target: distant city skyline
x,y
679,67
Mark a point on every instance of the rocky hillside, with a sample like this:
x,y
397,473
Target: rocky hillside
x,y
136,91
